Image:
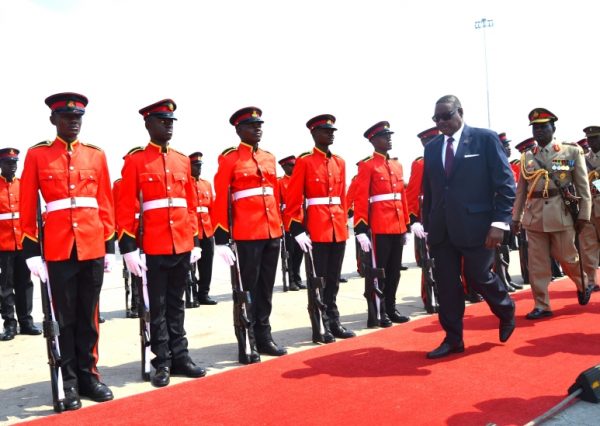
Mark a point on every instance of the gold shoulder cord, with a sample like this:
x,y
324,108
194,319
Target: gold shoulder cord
x,y
534,176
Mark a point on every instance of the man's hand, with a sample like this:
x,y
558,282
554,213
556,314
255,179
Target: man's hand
x,y
109,261
134,263
417,229
304,242
225,253
580,224
37,267
516,227
195,254
494,237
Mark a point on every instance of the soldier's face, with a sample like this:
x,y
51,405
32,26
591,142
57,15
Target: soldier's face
x,y
448,118
507,150
196,169
594,142
250,133
542,132
160,129
288,168
68,125
382,143
323,136
9,168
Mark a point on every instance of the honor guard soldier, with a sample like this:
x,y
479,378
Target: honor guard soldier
x,y
319,183
590,235
16,288
247,198
380,209
160,178
294,250
78,243
548,171
350,194
204,196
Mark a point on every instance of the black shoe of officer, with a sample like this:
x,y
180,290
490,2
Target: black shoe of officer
x,y
269,347
583,297
385,321
207,300
30,330
252,359
9,333
132,313
293,287
343,280
516,286
403,268
71,401
188,369
300,285
101,319
339,331
397,318
473,298
326,338
196,303
596,287
96,391
161,378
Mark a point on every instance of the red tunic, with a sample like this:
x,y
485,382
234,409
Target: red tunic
x,y
205,202
380,176
414,188
515,166
318,175
351,194
255,217
10,226
61,175
157,175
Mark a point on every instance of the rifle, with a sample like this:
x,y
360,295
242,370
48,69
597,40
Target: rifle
x,y
195,283
285,261
372,293
242,302
523,254
144,305
316,307
127,289
428,281
189,290
50,327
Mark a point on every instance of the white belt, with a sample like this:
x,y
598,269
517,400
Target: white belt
x,y
384,197
318,201
261,190
10,215
72,203
163,203
201,209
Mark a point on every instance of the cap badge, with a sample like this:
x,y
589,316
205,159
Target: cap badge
x,y
254,114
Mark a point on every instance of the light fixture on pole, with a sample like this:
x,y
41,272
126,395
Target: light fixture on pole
x,y
483,24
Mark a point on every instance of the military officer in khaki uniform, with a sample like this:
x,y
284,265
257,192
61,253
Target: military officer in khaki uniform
x,y
540,208
590,235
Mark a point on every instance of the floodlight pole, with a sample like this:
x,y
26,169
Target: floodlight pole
x,y
483,24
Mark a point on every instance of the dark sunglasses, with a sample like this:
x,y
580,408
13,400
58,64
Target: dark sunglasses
x,y
444,117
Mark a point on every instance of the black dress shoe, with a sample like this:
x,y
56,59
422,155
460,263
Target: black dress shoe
x,y
101,319
161,377
517,286
30,330
339,331
583,297
403,268
446,349
71,401
206,300
300,285
252,359
9,334
293,287
270,348
596,287
325,338
343,280
397,318
506,329
188,369
96,391
133,313
385,322
473,298
538,313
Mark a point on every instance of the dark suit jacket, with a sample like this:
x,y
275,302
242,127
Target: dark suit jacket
x,y
480,189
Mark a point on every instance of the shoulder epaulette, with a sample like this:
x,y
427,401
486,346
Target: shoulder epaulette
x,y
134,150
304,154
419,158
42,143
370,157
570,144
91,146
229,150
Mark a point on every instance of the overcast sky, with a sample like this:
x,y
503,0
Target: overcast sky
x,y
362,61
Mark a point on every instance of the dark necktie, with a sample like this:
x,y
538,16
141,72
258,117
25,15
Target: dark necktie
x,y
449,160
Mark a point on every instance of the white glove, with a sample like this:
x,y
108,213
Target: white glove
x,y
417,229
226,253
364,241
304,242
109,261
134,263
195,254
37,267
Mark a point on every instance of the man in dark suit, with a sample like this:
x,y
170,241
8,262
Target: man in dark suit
x,y
468,193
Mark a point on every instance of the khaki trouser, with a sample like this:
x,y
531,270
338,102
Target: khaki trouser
x,y
559,245
590,246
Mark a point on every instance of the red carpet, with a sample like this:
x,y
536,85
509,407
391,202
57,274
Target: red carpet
x,y
384,377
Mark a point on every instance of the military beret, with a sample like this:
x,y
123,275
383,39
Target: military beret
x,y
67,102
246,115
11,154
323,121
541,115
160,109
381,128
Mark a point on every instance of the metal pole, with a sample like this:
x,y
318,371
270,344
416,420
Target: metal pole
x,y
483,24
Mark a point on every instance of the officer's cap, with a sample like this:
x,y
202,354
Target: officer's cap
x,y
323,121
160,109
526,145
291,159
9,154
583,143
541,115
196,157
503,139
246,115
67,102
381,128
591,131
429,133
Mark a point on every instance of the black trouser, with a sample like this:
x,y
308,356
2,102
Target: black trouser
x,y
328,258
167,275
388,255
295,260
205,265
258,266
75,287
16,289
477,264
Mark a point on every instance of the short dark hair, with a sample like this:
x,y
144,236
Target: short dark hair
x,y
449,99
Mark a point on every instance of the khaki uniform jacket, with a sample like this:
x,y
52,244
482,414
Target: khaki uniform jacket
x,y
549,214
593,162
